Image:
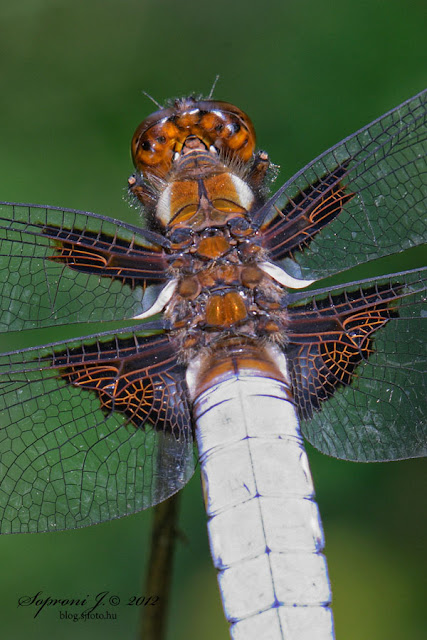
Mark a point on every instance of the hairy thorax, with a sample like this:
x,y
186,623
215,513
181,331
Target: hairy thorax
x,y
200,180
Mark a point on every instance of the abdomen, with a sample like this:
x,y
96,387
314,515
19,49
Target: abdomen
x,y
264,527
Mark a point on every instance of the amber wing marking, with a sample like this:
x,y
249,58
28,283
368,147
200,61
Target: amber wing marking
x,y
305,215
138,377
329,339
107,256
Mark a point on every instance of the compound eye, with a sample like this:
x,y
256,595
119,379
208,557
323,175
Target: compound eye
x,y
233,128
152,148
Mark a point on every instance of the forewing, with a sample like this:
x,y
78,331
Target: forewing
x,y
369,192
91,431
59,266
357,360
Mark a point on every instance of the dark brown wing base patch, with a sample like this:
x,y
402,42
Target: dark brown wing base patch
x,y
329,339
138,377
305,215
108,256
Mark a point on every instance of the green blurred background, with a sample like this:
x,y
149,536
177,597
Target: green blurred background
x,y
308,73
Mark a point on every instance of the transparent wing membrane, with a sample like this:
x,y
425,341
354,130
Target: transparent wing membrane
x,y
90,431
363,199
61,267
357,359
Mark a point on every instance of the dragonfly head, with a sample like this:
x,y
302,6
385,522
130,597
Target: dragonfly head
x,y
189,125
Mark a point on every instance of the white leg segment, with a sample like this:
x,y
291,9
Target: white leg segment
x,y
264,527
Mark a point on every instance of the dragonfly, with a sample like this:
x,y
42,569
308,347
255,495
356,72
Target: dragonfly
x,y
237,342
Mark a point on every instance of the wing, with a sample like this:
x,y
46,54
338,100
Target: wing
x,y
91,430
59,266
369,191
357,361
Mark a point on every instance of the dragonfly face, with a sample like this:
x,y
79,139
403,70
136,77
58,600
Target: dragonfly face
x,y
103,426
